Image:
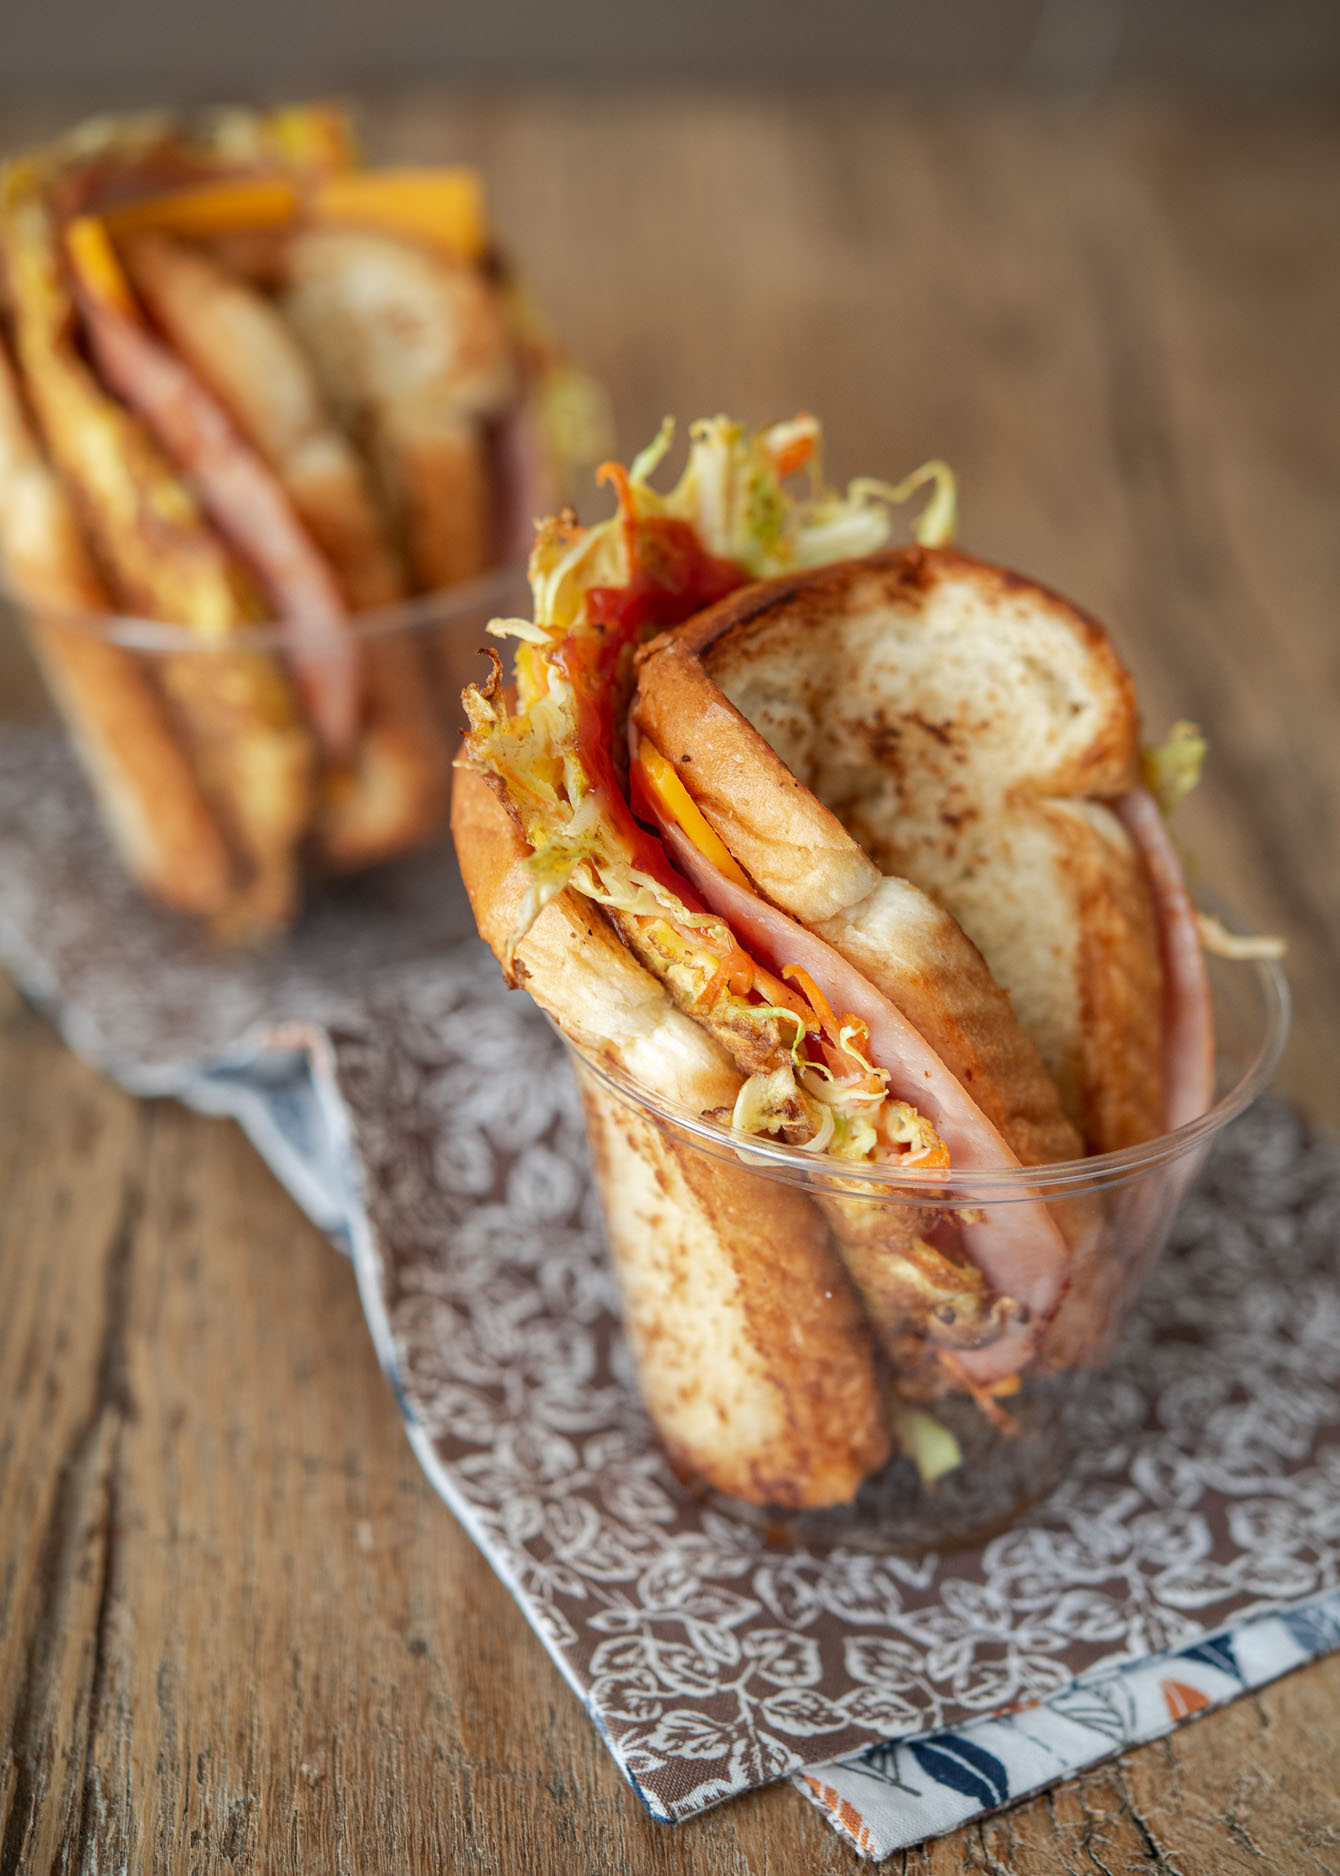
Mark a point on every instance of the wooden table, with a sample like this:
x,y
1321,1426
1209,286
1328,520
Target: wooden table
x,y
237,1631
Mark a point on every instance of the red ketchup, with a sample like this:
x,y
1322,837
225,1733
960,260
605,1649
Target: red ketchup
x,y
673,578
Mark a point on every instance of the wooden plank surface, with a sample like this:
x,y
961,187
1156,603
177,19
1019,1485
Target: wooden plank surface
x,y
237,1632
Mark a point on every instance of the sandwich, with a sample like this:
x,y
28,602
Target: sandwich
x,y
258,385
815,840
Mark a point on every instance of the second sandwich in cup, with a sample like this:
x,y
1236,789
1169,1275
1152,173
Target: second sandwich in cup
x,y
838,866
270,426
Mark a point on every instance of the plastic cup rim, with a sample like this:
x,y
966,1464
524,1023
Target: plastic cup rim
x,y
134,633
1061,1179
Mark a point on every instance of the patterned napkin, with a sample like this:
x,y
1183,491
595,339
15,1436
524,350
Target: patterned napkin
x,y
425,1116
900,1793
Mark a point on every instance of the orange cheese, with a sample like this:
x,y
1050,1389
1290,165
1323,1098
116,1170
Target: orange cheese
x,y
661,782
96,268
443,207
664,786
211,208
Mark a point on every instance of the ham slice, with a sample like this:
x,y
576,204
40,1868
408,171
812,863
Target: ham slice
x,y
1018,1246
250,508
1108,1273
1188,1014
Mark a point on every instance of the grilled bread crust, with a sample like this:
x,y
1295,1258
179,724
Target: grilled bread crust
x,y
149,796
921,720
754,1359
414,353
236,342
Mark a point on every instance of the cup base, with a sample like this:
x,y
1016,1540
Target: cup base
x,y
1001,1476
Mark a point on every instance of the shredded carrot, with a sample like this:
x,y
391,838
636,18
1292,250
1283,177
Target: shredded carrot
x,y
777,993
796,454
617,475
838,1052
741,976
936,1159
853,1038
816,999
720,979
984,1397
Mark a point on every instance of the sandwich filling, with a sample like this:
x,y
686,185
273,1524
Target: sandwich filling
x,y
560,761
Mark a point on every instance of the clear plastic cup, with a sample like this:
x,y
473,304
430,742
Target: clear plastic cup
x,y
219,793
1113,1212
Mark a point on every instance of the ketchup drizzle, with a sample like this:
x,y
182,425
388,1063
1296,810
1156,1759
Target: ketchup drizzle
x,y
673,578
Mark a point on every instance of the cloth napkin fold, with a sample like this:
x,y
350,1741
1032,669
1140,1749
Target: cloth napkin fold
x,y
425,1118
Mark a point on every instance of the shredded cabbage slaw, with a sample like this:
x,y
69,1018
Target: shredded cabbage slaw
x,y
1172,769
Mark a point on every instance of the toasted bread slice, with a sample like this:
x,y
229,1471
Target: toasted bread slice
x,y
414,352
237,343
141,777
958,728
753,1356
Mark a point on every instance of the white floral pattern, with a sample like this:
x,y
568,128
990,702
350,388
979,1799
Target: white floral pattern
x,y
1208,1484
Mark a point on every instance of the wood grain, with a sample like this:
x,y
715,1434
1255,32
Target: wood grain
x,y
237,1632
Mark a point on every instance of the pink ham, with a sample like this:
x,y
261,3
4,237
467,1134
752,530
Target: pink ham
x,y
1109,1274
250,508
1188,1014
1018,1247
